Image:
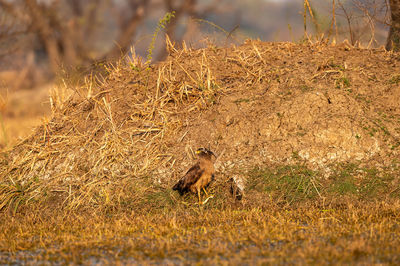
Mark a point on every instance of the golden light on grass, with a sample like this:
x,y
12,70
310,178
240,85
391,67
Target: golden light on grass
x,y
94,181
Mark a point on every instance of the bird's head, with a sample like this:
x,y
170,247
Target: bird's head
x,y
204,152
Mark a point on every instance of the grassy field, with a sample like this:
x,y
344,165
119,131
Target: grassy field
x,y
288,215
312,129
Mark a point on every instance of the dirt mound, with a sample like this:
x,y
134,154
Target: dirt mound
x,y
255,104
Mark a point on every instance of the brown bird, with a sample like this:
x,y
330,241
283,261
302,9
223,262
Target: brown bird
x,y
198,176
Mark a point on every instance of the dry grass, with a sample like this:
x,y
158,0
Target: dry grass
x,y
133,123
93,183
356,232
284,218
115,130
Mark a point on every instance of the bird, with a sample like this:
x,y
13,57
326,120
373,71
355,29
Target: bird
x,y
199,176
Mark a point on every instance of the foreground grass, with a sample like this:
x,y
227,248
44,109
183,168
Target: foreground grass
x,y
289,214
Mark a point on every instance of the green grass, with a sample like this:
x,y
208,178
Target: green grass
x,y
394,80
342,82
343,181
161,25
361,182
242,100
292,183
296,183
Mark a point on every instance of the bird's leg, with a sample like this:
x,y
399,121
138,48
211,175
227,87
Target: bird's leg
x,y
208,197
198,194
205,191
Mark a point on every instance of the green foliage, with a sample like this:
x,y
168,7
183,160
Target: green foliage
x,y
161,25
374,184
342,82
13,195
344,184
134,68
364,183
394,80
159,198
294,183
242,100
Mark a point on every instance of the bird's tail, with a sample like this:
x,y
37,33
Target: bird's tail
x,y
176,186
179,187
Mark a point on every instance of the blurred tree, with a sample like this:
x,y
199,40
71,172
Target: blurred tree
x,y
73,33
129,16
185,8
63,31
393,40
8,35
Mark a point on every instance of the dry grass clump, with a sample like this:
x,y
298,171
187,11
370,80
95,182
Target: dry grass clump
x,y
122,138
117,130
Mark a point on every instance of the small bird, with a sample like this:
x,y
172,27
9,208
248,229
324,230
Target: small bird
x,y
198,176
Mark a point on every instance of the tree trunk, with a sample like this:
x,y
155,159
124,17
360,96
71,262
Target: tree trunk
x,y
128,28
46,34
393,40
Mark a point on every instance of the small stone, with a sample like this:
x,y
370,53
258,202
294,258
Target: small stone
x,y
237,187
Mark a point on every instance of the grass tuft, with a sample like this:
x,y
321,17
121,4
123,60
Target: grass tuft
x,y
291,183
161,25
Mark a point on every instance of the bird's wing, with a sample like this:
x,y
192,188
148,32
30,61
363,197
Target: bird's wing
x,y
191,177
193,174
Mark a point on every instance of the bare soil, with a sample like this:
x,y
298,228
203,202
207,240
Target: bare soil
x,y
302,109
